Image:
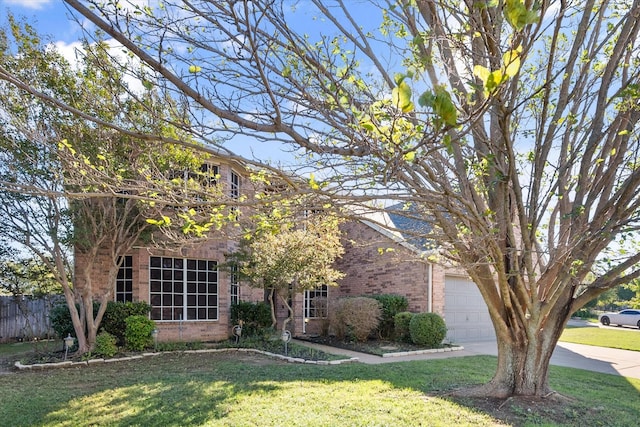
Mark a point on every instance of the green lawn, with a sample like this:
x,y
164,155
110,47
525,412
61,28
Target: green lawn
x,y
238,389
623,338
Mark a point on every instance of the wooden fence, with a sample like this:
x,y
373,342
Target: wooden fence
x,y
26,317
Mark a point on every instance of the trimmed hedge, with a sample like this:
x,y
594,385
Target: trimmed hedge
x,y
114,317
401,326
137,335
427,329
355,318
391,305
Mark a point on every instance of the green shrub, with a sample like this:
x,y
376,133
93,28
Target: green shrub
x,y
355,318
60,318
391,305
585,313
114,317
256,317
138,330
427,329
401,326
106,344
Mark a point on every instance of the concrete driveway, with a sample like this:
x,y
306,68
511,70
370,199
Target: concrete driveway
x,y
591,358
588,357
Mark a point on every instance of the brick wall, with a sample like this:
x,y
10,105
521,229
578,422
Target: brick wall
x,y
375,264
214,249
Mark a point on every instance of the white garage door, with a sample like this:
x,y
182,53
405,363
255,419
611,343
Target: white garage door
x,y
465,312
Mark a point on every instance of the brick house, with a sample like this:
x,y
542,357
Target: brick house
x,y
380,261
191,296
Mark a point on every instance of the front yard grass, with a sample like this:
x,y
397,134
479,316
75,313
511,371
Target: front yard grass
x,y
623,338
240,389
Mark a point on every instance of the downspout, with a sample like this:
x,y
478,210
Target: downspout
x,y
430,287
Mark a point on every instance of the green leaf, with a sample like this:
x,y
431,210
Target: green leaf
x,y
401,97
443,106
517,14
195,69
410,156
511,61
399,78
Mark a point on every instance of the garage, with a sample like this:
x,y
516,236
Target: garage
x,y
465,312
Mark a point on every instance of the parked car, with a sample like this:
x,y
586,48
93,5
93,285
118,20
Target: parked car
x,y
621,318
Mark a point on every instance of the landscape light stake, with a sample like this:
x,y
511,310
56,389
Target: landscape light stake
x,y
68,343
286,337
154,334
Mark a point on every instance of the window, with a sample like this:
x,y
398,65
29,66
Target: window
x,y
124,281
183,289
208,175
315,303
235,286
234,191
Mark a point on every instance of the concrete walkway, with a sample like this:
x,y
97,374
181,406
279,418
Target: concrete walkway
x,y
591,358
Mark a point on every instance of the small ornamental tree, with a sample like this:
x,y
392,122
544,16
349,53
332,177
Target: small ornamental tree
x,y
287,257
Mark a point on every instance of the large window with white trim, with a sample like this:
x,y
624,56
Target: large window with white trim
x,y
315,303
183,289
124,280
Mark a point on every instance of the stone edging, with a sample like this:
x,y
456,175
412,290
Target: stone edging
x,y
426,351
70,364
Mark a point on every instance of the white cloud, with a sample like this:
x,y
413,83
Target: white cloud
x,y
72,52
69,51
29,4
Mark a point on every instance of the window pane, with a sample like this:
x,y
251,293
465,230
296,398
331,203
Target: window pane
x,y
178,300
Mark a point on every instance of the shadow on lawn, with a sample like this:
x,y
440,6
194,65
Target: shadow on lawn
x,y
245,389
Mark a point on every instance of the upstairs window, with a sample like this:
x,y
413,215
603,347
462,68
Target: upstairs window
x,y
234,190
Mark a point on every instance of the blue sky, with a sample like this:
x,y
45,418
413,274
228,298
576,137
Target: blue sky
x,y
50,17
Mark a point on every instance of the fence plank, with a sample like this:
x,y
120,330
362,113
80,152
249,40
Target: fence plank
x,y
25,317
